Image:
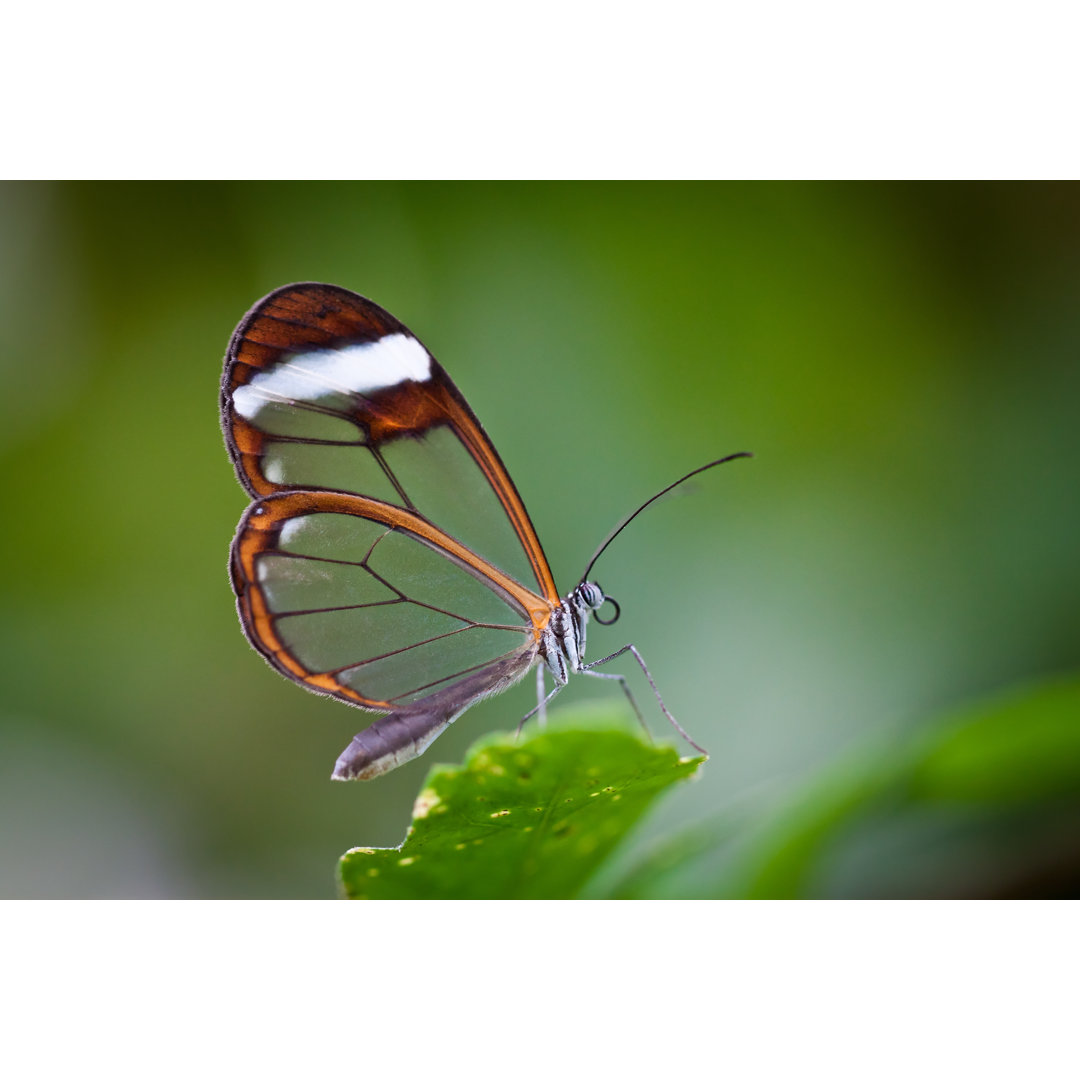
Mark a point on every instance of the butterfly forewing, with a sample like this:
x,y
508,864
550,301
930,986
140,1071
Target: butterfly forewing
x,y
324,390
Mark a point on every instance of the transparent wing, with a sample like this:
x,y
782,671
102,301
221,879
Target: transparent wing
x,y
324,390
373,605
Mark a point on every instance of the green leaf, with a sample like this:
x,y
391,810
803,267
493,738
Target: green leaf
x,y
1020,747
670,867
785,857
982,803
528,818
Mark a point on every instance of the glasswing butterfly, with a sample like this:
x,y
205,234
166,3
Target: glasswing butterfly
x,y
387,559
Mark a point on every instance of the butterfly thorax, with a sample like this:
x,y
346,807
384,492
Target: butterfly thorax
x,y
563,642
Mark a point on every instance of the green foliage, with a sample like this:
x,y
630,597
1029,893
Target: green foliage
x,y
529,818
975,807
1022,748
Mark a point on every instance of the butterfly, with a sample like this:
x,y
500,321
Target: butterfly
x,y
387,560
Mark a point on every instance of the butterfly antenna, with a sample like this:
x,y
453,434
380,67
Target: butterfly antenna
x,y
626,521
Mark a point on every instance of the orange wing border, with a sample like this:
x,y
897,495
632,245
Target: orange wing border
x,y
258,532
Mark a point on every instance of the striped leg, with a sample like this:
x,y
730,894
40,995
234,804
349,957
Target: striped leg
x,y
663,708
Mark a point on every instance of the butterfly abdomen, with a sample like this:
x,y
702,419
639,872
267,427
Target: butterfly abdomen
x,y
388,743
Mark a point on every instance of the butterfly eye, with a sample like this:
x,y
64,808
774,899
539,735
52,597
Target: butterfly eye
x,y
591,595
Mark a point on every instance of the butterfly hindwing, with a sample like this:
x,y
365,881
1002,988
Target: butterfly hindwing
x,y
369,603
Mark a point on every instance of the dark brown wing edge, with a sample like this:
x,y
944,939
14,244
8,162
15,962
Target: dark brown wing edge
x,y
294,318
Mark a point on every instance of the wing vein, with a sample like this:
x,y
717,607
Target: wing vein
x,y
445,678
396,652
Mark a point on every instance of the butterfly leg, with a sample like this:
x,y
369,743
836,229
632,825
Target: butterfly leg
x,y
663,708
621,680
540,692
541,706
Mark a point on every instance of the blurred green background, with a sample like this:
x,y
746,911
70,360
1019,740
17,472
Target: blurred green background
x,y
904,361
